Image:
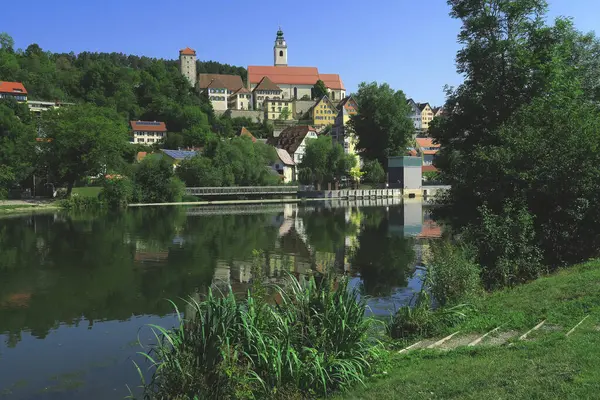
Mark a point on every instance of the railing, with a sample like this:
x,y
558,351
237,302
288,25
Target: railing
x,y
240,190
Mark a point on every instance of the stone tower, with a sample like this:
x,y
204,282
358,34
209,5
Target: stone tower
x,y
280,50
187,64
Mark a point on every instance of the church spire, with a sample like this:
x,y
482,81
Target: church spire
x,y
280,50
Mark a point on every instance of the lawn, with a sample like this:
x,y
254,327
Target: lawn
x,y
87,191
551,366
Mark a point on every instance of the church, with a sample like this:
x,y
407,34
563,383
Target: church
x,y
295,82
227,92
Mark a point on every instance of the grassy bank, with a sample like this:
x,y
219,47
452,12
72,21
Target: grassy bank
x,y
549,365
25,208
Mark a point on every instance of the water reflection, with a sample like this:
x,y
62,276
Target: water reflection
x,y
78,288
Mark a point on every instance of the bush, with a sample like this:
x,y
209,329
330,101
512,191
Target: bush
x,y
76,202
452,274
312,342
374,172
506,246
155,182
117,191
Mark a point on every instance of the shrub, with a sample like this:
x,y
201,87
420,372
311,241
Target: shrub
x,y
374,172
452,274
313,341
76,202
117,191
155,182
506,246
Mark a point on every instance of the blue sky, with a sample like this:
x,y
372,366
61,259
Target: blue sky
x,y
409,44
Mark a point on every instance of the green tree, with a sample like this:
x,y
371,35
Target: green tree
x,y
319,90
82,141
155,181
285,114
324,161
374,172
382,125
6,41
514,134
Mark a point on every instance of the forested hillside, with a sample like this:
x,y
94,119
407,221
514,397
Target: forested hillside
x,y
137,87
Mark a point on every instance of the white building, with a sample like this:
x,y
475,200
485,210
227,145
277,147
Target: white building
x,y
147,132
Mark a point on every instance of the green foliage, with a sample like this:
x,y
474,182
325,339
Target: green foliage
x,y
452,274
285,114
117,192
374,172
506,247
155,182
324,161
312,342
431,176
17,145
522,132
236,162
319,90
83,141
382,125
81,203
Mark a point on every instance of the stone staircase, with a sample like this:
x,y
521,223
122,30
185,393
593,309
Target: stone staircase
x,y
495,337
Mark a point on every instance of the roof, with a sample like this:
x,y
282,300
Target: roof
x,y
245,132
343,102
430,229
428,168
140,155
285,157
293,76
149,126
12,87
242,90
332,81
231,82
325,99
291,138
179,154
411,152
426,142
187,52
216,83
266,84
422,106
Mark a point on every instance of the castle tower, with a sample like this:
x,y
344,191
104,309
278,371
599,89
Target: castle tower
x,y
280,50
187,64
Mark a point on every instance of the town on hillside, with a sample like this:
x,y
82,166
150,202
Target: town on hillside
x,y
301,103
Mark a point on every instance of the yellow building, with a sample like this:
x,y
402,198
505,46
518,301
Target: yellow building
x,y
276,109
341,132
323,113
426,115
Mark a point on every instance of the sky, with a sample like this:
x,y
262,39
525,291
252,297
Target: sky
x,y
409,44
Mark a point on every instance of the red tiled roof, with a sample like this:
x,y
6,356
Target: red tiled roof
x,y
12,88
294,76
267,84
231,82
430,230
242,90
332,81
426,142
217,84
246,132
412,152
188,52
148,126
428,168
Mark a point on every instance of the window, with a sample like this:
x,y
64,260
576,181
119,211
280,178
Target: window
x,y
273,116
280,53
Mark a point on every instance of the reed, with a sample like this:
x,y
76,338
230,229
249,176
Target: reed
x,y
314,340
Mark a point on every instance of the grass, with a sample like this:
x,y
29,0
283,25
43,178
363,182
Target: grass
x,y
312,340
551,367
87,191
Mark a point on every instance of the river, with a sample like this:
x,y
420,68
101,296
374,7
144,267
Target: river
x,y
77,291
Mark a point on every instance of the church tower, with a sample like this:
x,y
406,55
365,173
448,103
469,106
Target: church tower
x,y
280,50
187,65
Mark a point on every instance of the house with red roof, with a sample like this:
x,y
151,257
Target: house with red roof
x,y
147,132
14,90
427,149
295,82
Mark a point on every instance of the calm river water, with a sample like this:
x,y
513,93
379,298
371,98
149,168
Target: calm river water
x,y
76,291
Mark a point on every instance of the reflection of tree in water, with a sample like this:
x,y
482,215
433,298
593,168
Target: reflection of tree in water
x,y
383,261
54,272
